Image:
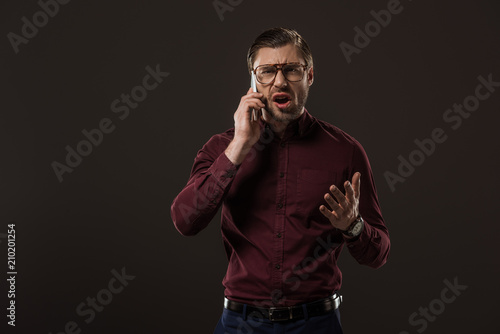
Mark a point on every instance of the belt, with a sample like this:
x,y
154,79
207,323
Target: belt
x,y
315,308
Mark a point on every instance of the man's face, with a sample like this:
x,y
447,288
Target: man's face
x,y
296,92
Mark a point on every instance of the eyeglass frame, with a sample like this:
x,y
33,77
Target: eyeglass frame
x,y
279,69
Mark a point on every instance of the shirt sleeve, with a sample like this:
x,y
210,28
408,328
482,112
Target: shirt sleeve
x,y
372,246
211,176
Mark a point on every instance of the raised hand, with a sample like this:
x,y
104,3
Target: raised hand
x,y
343,209
246,131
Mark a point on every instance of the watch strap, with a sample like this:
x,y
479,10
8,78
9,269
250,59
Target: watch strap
x,y
348,232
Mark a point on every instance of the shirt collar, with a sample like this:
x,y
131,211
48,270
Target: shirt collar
x,y
299,126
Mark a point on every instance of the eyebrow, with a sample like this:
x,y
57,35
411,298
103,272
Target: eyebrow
x,y
290,62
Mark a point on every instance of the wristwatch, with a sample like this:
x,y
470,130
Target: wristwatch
x,y
355,228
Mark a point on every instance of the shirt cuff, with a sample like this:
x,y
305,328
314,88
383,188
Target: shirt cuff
x,y
223,170
359,242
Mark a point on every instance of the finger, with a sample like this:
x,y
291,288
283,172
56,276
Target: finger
x,y
338,196
356,181
349,191
250,91
256,95
331,202
246,106
254,103
258,113
331,215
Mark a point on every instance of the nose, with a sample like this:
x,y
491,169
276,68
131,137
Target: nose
x,y
280,80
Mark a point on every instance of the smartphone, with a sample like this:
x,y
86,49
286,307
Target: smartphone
x,y
253,84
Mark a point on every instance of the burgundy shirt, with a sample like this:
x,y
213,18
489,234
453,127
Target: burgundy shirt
x,y
281,249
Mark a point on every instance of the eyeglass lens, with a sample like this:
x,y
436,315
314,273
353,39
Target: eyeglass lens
x,y
267,73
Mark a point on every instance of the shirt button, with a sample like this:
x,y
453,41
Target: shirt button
x,y
282,174
280,205
278,235
277,266
282,144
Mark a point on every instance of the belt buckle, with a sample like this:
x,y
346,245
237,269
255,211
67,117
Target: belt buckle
x,y
337,300
274,310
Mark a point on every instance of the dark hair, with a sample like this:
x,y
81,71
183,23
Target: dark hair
x,y
278,37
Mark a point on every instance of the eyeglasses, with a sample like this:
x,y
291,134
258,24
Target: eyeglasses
x,y
292,72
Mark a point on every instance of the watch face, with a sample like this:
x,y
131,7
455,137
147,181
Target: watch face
x,y
357,228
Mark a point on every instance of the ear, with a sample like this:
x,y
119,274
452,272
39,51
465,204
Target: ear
x,y
310,76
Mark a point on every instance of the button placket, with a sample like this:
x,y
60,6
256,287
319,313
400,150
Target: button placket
x,y
279,224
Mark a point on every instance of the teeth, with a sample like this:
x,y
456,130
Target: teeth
x,y
281,98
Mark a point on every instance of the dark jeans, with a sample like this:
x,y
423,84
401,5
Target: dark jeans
x,y
237,323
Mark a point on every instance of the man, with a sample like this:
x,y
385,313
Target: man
x,y
279,179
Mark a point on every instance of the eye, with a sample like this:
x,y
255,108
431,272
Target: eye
x,y
291,69
267,70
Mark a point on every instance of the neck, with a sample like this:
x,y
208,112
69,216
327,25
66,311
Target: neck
x,y
278,127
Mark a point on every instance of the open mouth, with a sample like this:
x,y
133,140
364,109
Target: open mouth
x,y
281,100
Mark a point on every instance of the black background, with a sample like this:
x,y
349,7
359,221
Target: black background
x,y
113,210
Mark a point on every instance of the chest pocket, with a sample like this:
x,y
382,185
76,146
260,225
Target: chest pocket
x,y
312,185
